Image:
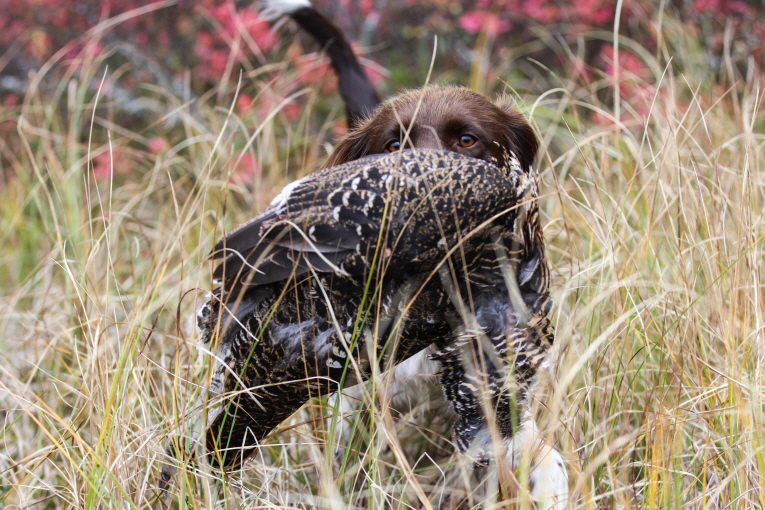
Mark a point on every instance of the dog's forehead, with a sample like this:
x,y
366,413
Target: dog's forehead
x,y
440,111
443,100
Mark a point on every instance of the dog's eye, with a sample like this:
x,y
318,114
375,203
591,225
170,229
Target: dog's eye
x,y
467,140
394,146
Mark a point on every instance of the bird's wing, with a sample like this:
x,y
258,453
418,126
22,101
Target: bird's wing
x,y
334,220
314,223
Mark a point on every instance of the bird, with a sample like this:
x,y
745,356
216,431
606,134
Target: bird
x,y
370,262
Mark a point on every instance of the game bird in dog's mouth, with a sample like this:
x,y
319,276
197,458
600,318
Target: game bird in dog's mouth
x,y
370,262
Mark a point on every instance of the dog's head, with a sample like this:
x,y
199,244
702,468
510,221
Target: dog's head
x,y
449,118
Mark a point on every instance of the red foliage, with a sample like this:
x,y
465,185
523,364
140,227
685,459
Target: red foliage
x,y
633,78
214,39
107,164
245,171
496,16
243,104
594,12
11,100
629,66
721,7
217,30
157,144
483,21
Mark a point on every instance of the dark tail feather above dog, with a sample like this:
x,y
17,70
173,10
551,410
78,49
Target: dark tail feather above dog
x,y
356,89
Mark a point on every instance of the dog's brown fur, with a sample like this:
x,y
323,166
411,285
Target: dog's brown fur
x,y
436,117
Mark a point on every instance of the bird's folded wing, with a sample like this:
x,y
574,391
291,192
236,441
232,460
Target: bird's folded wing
x,y
331,220
315,223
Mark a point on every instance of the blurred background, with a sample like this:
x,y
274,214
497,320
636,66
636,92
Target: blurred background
x,y
198,50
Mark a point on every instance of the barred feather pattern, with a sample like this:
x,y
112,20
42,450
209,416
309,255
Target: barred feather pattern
x,y
368,263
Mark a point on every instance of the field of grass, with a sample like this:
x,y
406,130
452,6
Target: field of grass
x,y
653,196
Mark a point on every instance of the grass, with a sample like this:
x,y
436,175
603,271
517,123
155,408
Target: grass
x,y
654,221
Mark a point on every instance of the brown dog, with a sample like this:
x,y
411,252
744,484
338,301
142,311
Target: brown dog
x,y
450,118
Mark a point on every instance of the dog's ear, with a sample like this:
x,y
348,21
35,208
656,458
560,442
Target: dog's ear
x,y
518,134
352,146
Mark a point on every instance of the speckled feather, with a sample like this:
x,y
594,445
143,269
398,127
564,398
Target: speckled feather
x,y
370,262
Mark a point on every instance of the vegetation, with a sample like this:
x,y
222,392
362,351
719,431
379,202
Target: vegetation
x,y
117,178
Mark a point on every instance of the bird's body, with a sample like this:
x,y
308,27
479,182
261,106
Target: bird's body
x,y
370,262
